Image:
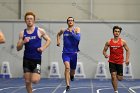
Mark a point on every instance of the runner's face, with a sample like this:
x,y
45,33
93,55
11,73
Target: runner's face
x,y
70,22
117,32
29,20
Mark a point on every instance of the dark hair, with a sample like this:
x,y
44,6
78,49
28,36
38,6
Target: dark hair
x,y
117,27
29,13
68,19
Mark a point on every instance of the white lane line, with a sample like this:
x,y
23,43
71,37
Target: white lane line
x,y
64,91
18,89
131,89
10,88
77,88
58,86
42,88
91,86
98,90
80,88
50,87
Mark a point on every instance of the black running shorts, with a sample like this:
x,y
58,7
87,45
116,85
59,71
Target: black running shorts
x,y
33,66
116,68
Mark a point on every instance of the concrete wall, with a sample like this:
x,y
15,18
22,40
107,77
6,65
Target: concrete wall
x,y
80,9
94,36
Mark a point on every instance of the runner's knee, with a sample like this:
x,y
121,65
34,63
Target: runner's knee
x,y
67,69
35,81
120,78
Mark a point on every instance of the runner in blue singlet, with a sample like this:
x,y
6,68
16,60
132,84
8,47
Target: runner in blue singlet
x,y
71,39
31,39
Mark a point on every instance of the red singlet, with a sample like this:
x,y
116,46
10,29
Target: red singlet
x,y
116,51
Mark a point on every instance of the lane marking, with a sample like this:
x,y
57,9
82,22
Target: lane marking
x,y
58,86
64,91
91,82
98,90
77,88
131,89
42,88
10,88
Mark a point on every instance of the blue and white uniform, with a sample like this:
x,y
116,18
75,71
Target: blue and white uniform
x,y
32,57
70,47
30,51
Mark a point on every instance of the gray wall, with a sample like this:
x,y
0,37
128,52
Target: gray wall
x,y
80,9
94,36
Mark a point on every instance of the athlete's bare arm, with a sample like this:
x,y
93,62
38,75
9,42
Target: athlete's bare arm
x,y
59,35
42,33
20,41
2,38
105,49
127,52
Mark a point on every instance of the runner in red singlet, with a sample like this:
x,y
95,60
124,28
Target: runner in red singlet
x,y
116,58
